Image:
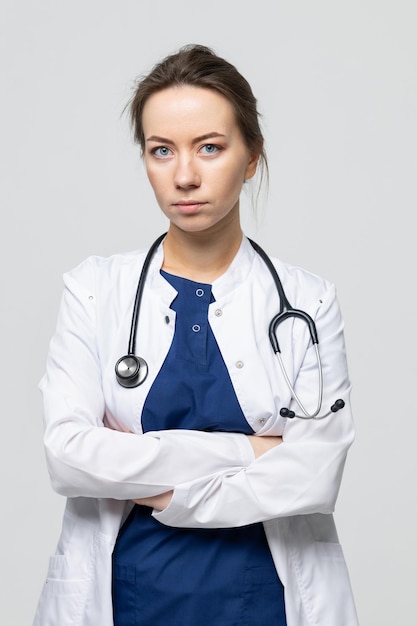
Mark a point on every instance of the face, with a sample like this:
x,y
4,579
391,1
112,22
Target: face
x,y
195,157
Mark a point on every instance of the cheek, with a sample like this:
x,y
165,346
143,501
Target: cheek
x,y
237,170
233,183
156,179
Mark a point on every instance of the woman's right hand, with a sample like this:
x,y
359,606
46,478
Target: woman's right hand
x,y
261,445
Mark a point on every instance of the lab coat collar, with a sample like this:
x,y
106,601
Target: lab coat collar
x,y
237,272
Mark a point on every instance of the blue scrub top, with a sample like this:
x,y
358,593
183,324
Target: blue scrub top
x,y
165,576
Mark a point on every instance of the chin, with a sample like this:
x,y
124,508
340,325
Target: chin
x,y
195,227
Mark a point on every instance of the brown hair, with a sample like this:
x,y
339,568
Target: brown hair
x,y
199,66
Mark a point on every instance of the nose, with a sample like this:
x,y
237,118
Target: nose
x,y
186,174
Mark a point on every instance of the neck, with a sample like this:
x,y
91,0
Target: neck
x,y
200,256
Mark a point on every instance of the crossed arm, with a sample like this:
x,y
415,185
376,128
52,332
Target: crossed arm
x,y
260,445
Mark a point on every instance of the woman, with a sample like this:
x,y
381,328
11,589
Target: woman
x,y
191,500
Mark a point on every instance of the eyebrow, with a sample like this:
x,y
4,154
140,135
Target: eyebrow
x,y
195,140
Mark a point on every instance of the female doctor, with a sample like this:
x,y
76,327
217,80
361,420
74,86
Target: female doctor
x,y
191,498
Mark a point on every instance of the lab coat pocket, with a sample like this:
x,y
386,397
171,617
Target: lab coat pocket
x,y
62,599
319,568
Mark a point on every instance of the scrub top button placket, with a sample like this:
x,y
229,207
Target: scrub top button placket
x,y
199,293
196,315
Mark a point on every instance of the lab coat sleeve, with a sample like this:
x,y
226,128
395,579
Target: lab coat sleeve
x,y
300,476
84,457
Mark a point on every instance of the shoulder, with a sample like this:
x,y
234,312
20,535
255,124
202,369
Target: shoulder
x,y
95,271
310,292
301,286
292,275
300,276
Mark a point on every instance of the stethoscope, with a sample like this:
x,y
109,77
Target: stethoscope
x,y
132,370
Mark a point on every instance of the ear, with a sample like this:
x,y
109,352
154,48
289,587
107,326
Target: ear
x,y
251,166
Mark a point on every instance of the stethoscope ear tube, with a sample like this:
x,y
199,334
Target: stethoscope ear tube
x,y
286,312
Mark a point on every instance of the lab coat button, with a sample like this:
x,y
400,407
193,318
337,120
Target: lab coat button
x,y
262,420
167,319
239,364
199,292
218,313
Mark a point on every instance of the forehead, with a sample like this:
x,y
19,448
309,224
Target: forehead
x,y
188,108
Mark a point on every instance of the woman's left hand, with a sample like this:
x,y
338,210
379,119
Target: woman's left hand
x,y
156,502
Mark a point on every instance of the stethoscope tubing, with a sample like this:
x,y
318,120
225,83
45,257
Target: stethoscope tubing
x,y
139,292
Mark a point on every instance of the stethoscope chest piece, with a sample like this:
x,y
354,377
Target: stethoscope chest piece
x,y
131,370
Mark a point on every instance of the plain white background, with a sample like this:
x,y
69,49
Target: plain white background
x,y
336,84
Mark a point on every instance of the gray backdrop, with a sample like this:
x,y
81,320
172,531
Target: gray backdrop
x,y
336,83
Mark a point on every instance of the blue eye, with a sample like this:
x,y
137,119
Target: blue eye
x,y
162,151
210,148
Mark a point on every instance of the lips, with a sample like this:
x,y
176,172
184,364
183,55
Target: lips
x,y
188,207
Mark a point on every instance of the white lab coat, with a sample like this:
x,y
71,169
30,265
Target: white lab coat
x,y
216,481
